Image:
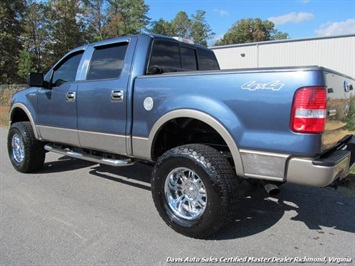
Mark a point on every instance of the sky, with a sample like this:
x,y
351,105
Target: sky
x,y
298,18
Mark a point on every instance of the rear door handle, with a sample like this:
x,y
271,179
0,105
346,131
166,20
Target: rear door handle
x,y
117,96
70,96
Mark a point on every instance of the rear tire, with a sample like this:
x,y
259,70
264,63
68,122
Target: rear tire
x,y
25,151
194,189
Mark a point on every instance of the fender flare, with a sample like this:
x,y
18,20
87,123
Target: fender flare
x,y
215,124
29,115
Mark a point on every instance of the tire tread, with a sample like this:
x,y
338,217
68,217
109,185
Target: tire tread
x,y
222,175
34,151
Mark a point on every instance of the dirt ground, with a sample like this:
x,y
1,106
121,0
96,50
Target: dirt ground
x,y
4,115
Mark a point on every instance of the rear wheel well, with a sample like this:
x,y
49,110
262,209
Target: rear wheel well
x,y
184,130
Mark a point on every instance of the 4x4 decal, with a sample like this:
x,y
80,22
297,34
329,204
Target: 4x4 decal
x,y
254,85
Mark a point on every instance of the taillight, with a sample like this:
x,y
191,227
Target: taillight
x,y
309,110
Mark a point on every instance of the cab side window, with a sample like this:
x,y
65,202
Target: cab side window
x,y
165,54
207,60
107,62
66,70
170,56
188,58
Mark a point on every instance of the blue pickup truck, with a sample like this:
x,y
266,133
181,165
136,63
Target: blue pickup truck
x,y
157,99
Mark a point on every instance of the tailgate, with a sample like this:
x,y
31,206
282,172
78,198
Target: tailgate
x,y
340,120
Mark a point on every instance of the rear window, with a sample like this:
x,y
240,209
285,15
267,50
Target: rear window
x,y
107,62
207,60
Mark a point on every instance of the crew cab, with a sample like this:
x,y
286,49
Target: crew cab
x,y
156,99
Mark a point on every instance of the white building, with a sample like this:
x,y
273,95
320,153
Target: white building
x,y
335,52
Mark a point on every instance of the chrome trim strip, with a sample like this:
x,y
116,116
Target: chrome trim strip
x,y
141,148
107,142
129,145
216,125
101,133
28,113
265,153
59,135
264,177
141,138
264,165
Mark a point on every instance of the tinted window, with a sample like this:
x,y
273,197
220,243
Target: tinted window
x,y
165,54
188,58
107,62
66,70
207,60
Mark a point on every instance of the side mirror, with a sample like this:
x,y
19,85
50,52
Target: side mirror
x,y
35,79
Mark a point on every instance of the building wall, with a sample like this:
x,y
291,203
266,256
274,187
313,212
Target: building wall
x,y
337,53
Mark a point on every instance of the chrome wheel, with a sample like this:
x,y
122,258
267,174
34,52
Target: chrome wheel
x,y
26,153
18,148
194,189
185,193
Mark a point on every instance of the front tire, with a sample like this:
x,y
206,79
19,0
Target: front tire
x,y
194,189
25,151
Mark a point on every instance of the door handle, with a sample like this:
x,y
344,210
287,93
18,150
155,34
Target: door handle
x,y
70,96
117,96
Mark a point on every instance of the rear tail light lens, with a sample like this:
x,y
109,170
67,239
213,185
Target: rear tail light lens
x,y
309,110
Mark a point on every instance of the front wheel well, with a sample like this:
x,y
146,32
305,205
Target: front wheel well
x,y
184,130
18,115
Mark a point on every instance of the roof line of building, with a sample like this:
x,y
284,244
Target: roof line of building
x,y
281,41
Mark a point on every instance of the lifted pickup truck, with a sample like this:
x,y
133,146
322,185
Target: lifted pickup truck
x,y
156,99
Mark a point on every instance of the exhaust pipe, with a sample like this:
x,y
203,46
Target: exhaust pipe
x,y
271,189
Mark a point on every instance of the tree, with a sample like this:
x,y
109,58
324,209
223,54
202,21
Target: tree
x,y
200,30
34,36
195,28
66,27
280,35
11,12
126,17
181,25
25,65
162,27
251,30
95,18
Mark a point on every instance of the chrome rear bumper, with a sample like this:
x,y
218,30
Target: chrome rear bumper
x,y
319,172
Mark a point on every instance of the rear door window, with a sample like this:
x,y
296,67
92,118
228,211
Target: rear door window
x,y
107,62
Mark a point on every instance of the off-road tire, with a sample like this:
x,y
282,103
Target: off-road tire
x,y
26,153
219,185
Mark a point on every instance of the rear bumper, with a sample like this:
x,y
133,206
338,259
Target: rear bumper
x,y
320,172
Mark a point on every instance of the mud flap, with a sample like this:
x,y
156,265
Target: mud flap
x,y
351,147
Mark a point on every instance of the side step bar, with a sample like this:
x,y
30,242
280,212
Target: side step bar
x,y
90,157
